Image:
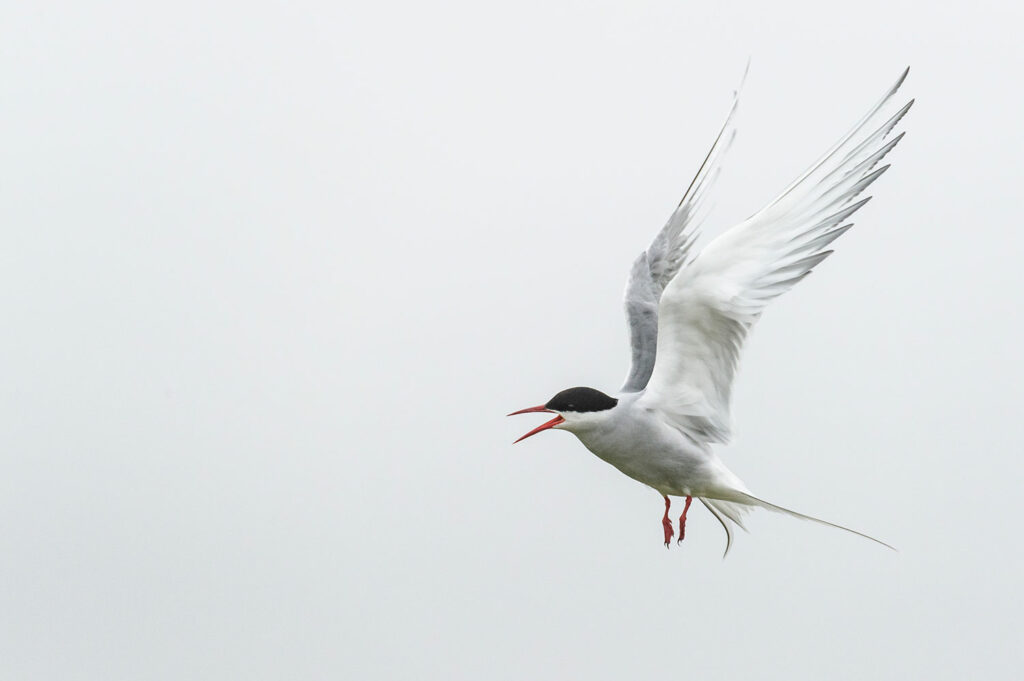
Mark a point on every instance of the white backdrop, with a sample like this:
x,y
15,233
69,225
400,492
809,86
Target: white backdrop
x,y
273,273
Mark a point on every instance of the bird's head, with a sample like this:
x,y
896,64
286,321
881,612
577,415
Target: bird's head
x,y
575,408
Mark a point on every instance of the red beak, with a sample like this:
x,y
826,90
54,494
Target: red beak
x,y
550,424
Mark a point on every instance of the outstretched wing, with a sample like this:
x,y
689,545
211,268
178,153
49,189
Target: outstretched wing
x,y
654,268
707,310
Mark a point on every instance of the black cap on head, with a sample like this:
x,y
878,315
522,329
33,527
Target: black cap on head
x,y
581,400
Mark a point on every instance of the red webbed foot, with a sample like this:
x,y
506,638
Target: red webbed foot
x,y
682,519
666,524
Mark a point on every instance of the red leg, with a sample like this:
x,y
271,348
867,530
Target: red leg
x,y
666,523
682,519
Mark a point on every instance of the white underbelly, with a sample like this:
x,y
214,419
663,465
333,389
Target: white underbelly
x,y
658,457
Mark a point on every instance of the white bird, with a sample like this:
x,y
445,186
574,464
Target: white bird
x,y
688,314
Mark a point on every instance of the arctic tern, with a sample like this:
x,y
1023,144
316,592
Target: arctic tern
x,y
688,313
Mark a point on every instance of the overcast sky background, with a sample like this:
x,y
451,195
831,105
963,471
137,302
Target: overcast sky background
x,y
273,273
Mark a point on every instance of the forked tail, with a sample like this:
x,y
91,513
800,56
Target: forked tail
x,y
727,512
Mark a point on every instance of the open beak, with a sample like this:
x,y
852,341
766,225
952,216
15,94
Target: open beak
x,y
550,424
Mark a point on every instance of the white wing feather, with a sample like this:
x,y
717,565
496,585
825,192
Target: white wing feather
x,y
706,311
654,268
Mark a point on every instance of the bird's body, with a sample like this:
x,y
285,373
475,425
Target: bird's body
x,y
635,438
689,313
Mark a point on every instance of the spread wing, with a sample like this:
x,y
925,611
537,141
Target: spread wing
x,y
706,311
654,268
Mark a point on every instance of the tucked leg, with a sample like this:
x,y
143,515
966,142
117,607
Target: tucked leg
x,y
666,523
682,518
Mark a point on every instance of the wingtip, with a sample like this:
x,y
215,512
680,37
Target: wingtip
x,y
858,205
899,82
743,81
875,174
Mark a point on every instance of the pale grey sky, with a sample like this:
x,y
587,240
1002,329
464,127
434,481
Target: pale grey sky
x,y
273,273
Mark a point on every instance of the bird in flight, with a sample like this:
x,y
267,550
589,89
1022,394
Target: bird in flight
x,y
688,313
